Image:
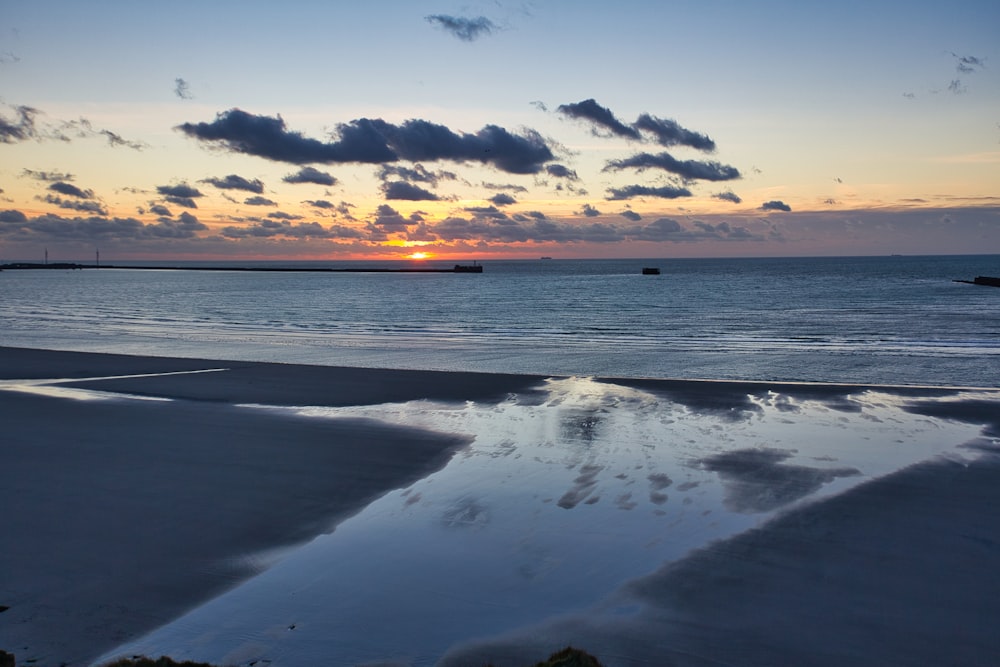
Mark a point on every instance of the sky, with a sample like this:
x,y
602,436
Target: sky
x,y
494,129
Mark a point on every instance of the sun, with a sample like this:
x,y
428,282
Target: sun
x,y
419,255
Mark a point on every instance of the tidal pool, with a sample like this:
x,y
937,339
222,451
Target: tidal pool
x,y
564,495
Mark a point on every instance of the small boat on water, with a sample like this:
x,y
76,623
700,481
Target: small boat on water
x,y
650,271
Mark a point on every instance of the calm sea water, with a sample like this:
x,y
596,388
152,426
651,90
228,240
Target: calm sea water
x,y
885,320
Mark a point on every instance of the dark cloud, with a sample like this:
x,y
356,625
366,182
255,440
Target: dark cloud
x,y
181,195
670,133
389,221
319,203
729,195
374,141
631,215
281,215
290,230
407,191
186,202
686,169
23,126
775,205
538,104
589,211
310,175
955,87
52,227
561,171
161,210
20,128
47,176
505,186
602,117
503,199
234,182
186,226
664,132
491,212
259,201
181,190
71,190
182,89
12,216
968,64
84,206
663,191
466,29
416,174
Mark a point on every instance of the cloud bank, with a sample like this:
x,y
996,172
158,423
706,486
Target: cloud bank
x,y
373,141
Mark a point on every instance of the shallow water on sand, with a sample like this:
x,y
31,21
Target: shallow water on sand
x,y
563,496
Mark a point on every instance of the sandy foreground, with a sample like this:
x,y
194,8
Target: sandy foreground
x,y
120,515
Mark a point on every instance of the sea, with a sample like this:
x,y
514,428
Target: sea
x,y
874,320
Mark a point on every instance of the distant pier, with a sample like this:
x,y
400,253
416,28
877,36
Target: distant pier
x,y
458,268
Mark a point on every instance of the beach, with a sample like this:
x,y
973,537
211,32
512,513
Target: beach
x,y
143,489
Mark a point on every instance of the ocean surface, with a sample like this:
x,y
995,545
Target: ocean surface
x,y
879,320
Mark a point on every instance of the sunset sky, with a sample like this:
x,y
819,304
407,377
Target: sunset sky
x,y
316,130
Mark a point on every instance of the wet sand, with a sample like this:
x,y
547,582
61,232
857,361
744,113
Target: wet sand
x,y
121,514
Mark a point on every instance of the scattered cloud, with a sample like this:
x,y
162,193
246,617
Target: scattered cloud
x,y
234,182
464,28
281,215
968,64
181,195
561,171
670,133
310,175
589,211
259,201
71,190
24,126
51,227
416,174
320,203
19,128
510,187
729,196
85,205
775,205
686,169
182,89
407,191
629,214
663,192
374,141
47,176
601,117
663,132
502,199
